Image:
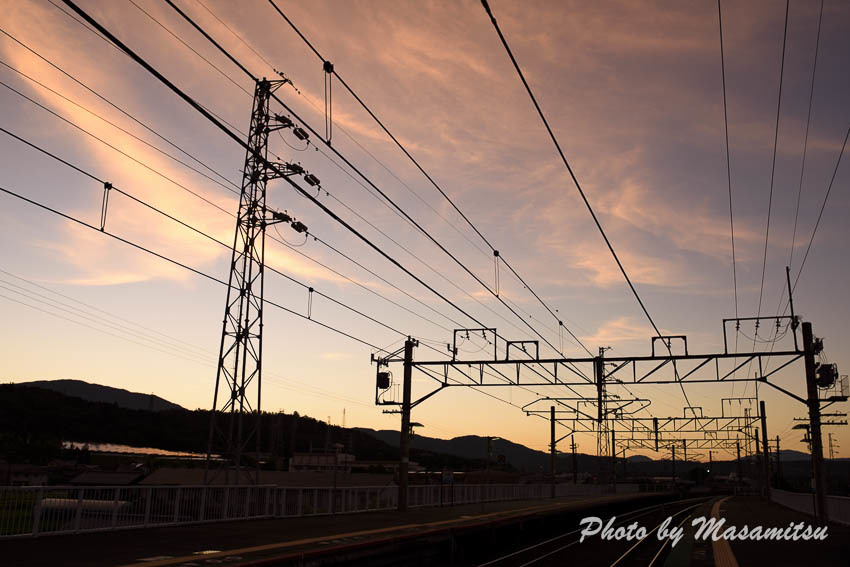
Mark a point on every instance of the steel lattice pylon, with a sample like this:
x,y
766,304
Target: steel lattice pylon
x,y
235,415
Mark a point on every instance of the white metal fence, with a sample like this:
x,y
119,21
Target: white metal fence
x,y
34,511
837,507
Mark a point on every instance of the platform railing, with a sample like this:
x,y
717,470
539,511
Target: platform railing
x,y
837,507
39,511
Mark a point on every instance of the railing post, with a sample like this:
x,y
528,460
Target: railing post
x,y
78,515
177,505
36,512
148,506
202,511
226,514
300,502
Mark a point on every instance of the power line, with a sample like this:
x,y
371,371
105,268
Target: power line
x,y
138,59
773,166
822,207
158,172
107,313
176,262
141,61
573,176
114,125
181,186
805,151
728,166
199,356
772,176
125,154
110,44
430,179
806,139
200,232
196,271
116,107
729,181
338,154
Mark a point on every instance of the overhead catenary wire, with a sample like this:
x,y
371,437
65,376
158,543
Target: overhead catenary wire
x,y
728,163
806,137
820,213
206,114
238,64
772,178
206,35
729,180
773,163
575,179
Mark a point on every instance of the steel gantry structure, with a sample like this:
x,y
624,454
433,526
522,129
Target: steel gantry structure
x,y
632,371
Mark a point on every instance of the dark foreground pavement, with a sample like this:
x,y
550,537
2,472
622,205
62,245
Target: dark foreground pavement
x,y
754,511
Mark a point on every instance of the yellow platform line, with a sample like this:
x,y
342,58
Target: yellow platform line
x,y
317,539
723,556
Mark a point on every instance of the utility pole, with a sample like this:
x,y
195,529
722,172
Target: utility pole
x,y
673,447
831,451
710,460
778,464
235,415
613,461
759,466
552,448
814,422
403,465
738,463
603,450
575,463
766,459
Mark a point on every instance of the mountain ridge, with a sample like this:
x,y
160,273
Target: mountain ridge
x,y
92,392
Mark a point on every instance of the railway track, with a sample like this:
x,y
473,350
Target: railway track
x,y
567,548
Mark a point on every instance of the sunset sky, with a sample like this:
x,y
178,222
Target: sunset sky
x,y
632,90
